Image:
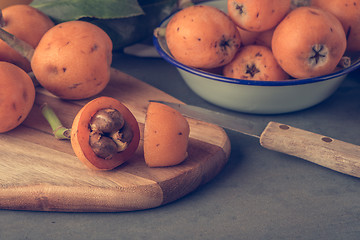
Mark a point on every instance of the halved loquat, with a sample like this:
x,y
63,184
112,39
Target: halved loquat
x,y
166,136
104,134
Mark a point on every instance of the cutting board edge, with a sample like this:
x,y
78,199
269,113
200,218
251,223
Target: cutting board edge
x,y
92,199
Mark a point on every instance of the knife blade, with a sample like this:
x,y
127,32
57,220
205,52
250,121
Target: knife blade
x,y
322,150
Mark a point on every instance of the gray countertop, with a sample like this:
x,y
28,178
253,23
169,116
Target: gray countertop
x,y
260,194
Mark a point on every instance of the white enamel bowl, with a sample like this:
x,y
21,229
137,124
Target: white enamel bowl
x,y
260,97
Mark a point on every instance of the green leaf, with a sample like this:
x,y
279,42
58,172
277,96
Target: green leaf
x,y
125,21
68,10
127,31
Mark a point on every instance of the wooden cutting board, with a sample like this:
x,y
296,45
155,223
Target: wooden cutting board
x,y
39,172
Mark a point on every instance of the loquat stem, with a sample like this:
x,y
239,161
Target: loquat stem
x,y
160,32
344,62
17,44
299,3
181,4
59,131
184,3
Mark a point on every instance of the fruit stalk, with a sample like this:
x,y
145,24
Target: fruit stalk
x,y
160,32
22,47
184,4
345,62
59,131
19,45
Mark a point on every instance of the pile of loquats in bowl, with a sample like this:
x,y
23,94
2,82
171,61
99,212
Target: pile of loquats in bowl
x,y
263,56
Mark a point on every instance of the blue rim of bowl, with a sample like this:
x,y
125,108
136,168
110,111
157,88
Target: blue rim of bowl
x,y
216,77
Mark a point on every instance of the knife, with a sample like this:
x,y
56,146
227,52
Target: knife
x,y
322,150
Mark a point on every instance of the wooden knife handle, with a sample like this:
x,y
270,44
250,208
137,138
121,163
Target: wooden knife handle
x,y
325,151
